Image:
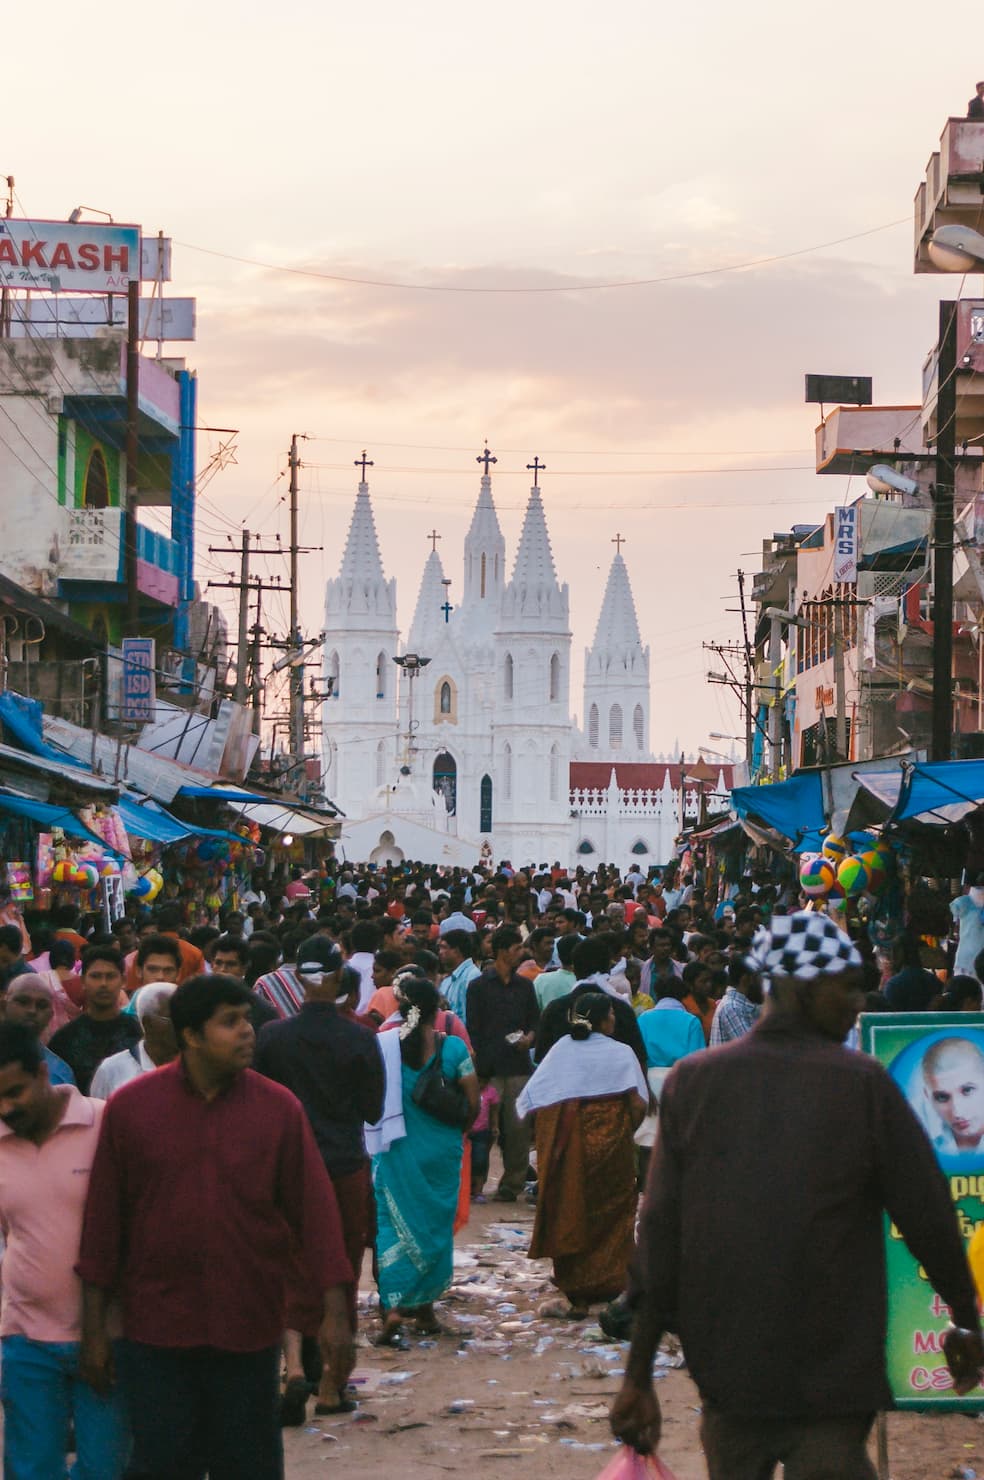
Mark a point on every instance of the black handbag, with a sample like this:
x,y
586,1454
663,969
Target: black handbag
x,y
438,1096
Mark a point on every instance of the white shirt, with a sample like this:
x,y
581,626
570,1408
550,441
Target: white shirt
x,y
362,962
119,1069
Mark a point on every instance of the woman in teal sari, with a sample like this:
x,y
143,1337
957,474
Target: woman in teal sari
x,y
417,1178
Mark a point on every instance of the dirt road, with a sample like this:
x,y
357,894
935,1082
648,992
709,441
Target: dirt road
x,y
523,1395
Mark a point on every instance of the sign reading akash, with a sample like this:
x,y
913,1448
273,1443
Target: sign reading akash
x,y
60,255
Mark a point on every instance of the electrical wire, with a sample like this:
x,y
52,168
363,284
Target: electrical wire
x,y
674,277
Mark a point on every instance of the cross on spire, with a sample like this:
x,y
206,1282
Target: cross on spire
x,y
486,458
364,462
434,537
536,467
618,542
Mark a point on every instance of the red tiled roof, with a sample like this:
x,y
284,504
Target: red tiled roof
x,y
651,776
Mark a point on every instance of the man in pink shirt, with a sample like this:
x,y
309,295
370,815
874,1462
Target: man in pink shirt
x,y
48,1138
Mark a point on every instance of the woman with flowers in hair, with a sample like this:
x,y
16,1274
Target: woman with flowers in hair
x,y
589,1094
417,1177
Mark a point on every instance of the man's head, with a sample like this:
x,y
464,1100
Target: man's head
x,y
158,959
319,968
385,965
569,922
813,969
744,979
102,978
697,980
507,947
30,1002
168,918
211,1023
25,1093
953,1078
591,956
566,946
11,944
541,943
421,924
980,90
154,1016
453,948
230,955
62,955
364,937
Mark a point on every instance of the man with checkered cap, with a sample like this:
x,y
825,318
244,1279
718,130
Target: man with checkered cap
x,y
761,1240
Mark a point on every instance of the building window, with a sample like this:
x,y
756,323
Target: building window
x,y
380,762
593,727
481,590
639,848
485,805
507,772
554,772
381,671
638,726
507,677
332,675
445,697
446,779
615,726
445,702
585,846
554,679
95,493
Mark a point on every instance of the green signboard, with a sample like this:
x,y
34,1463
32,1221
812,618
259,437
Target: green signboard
x,y
937,1060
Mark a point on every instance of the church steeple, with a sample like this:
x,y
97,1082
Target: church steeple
x,y
361,592
428,619
485,555
616,672
533,595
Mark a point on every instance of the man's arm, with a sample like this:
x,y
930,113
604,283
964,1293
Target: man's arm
x,y
100,1254
653,1282
475,1018
372,1083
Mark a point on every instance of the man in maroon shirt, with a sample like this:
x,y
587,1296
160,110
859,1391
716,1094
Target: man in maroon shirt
x,y
206,1178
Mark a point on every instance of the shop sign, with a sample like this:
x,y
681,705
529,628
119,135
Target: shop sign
x,y
60,255
139,690
846,547
824,697
922,1052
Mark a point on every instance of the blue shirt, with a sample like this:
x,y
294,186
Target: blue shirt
x,y
669,1033
454,988
58,1070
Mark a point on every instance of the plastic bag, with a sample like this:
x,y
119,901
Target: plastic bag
x,y
628,1465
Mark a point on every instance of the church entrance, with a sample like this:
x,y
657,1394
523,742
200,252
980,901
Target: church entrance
x,y
386,853
446,780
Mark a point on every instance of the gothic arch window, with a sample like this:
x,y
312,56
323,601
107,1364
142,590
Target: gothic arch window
x,y
638,726
485,805
333,674
95,491
445,698
507,676
554,678
381,671
381,763
507,772
585,846
639,847
445,701
615,726
482,583
593,727
445,779
554,772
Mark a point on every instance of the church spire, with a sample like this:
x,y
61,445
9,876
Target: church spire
x,y
428,619
533,593
361,590
616,672
617,632
485,554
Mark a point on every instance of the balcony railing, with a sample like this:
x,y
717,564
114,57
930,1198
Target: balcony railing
x,y
92,550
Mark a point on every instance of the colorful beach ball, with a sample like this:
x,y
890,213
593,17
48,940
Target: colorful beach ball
x,y
835,848
62,871
816,876
85,876
875,862
853,877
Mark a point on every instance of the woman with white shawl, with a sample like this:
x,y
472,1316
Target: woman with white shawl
x,y
589,1094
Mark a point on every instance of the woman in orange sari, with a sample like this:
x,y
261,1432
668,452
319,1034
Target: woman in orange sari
x,y
589,1094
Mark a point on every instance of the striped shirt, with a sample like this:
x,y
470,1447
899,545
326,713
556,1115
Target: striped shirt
x,y
282,990
735,1017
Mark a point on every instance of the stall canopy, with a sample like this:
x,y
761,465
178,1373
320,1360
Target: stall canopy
x,y
144,819
937,793
793,808
303,822
48,816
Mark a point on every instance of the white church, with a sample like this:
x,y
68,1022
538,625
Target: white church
x,y
459,744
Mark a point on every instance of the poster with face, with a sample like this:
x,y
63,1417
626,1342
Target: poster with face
x,y
937,1061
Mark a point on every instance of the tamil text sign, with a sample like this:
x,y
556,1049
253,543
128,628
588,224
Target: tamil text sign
x,y
927,1054
56,316
138,680
62,255
846,547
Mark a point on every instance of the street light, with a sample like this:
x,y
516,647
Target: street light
x,y
76,215
951,249
413,665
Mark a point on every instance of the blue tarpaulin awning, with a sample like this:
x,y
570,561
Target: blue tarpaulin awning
x,y
940,792
49,816
148,820
794,807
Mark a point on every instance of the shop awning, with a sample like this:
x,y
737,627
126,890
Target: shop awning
x,y
143,819
48,816
793,807
937,793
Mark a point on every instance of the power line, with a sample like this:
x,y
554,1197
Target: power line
x,y
674,277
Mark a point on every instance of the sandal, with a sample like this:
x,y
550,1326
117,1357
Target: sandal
x,y
293,1403
344,1405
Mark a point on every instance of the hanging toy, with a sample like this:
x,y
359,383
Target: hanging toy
x,y
816,876
62,872
853,877
835,848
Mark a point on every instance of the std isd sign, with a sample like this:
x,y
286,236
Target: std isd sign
x,y
937,1061
60,255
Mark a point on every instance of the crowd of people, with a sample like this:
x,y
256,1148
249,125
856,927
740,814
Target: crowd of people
x,y
203,1132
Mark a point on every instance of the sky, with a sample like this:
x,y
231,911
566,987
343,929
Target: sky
x,y
517,147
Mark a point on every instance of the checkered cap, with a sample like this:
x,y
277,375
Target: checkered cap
x,y
805,945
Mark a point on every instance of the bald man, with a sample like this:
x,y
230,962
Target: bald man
x,y
953,1081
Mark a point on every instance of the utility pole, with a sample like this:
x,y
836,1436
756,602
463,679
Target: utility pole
x,y
946,444
748,677
840,694
243,635
296,673
132,451
253,688
5,295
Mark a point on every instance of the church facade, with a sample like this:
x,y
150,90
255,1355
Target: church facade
x,y
460,744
